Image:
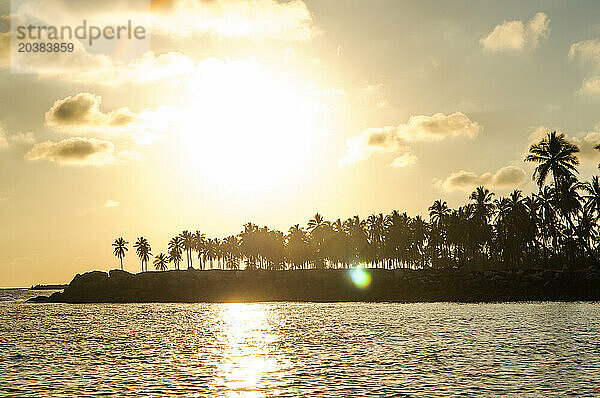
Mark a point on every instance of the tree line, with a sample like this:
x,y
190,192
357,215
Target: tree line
x,y
556,227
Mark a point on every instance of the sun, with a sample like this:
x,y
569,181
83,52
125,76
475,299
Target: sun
x,y
247,129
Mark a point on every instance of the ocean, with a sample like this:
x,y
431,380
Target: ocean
x,y
538,349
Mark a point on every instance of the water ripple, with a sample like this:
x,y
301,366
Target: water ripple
x,y
298,349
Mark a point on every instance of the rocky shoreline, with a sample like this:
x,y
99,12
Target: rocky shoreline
x,y
48,287
329,285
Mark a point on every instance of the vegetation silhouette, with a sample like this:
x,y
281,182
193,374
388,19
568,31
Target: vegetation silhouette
x,y
120,246
161,262
555,228
143,250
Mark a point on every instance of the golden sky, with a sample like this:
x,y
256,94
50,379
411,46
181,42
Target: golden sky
x,y
270,111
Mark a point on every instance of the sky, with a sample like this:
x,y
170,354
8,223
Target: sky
x,y
270,111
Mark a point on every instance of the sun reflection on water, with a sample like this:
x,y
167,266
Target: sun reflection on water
x,y
248,365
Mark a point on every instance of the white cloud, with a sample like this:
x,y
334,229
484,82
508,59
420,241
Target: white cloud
x,y
419,128
506,177
81,67
130,155
258,20
538,28
591,86
406,159
3,138
22,139
506,36
373,94
224,19
8,140
516,35
111,203
586,50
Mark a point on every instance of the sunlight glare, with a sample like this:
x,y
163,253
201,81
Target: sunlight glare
x,y
248,129
360,277
247,359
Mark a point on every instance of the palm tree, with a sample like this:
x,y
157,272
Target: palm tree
x,y
120,246
160,262
438,211
554,154
592,195
568,199
176,250
376,231
315,222
320,231
199,241
482,202
188,245
142,248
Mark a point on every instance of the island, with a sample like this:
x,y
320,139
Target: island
x,y
330,285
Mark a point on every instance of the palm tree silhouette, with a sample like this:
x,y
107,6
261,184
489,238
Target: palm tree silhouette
x,y
188,245
142,248
592,196
176,250
438,211
557,225
315,222
120,246
554,154
199,242
160,262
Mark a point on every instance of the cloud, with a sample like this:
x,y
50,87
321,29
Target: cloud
x,y
224,19
258,20
80,109
591,86
588,52
516,35
419,128
3,138
75,151
172,68
130,155
538,28
506,36
407,159
81,114
373,94
111,203
7,140
81,67
505,177
22,139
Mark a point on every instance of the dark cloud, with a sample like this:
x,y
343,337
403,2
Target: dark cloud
x,y
83,108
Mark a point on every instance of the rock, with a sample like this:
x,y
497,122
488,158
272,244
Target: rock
x,y
328,285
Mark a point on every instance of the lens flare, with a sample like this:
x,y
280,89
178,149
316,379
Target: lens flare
x,y
360,277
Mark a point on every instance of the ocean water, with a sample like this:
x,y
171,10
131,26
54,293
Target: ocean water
x,y
298,349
